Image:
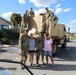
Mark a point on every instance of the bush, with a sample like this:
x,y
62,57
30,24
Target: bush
x,y
4,40
6,35
9,34
74,37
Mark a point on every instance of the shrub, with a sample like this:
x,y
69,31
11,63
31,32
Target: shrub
x,y
7,35
74,36
4,40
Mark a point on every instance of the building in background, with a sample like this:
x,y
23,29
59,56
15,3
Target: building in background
x,y
4,24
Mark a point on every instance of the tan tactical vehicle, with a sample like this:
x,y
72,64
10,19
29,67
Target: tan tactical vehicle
x,y
57,31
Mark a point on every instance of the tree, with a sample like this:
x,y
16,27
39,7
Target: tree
x,y
15,20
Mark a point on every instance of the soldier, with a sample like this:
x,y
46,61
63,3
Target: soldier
x,y
31,15
55,18
48,16
31,12
39,48
24,22
24,47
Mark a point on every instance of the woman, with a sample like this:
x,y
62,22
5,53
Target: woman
x,y
48,48
31,48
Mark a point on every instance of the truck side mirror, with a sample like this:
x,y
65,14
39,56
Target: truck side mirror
x,y
68,29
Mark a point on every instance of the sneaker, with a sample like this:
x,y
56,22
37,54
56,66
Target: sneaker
x,y
53,65
21,67
37,65
43,63
47,63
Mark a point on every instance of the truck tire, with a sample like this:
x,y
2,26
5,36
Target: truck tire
x,y
55,50
63,46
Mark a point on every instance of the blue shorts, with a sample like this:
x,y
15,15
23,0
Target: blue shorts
x,y
48,53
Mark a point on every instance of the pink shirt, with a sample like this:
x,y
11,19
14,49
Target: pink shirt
x,y
47,44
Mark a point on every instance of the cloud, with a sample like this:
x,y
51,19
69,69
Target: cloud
x,y
67,9
58,5
7,14
22,1
71,26
42,10
73,21
58,10
43,3
39,11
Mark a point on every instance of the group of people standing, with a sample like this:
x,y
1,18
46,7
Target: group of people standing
x,y
41,44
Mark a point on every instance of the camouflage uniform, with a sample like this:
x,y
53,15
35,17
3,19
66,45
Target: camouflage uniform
x,y
55,18
24,47
39,48
31,13
48,17
24,21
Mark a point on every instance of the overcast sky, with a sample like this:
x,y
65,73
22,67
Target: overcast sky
x,y
64,9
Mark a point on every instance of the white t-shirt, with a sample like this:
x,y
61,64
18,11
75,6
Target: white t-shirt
x,y
47,44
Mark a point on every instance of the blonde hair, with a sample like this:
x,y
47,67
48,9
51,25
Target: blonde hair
x,y
22,30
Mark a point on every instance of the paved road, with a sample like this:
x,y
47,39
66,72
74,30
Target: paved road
x,y
65,62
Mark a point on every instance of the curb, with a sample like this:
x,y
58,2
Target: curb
x,y
4,45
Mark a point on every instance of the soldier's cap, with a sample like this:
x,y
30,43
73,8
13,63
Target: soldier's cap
x,y
46,8
31,8
26,11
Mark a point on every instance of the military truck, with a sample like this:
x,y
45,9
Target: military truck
x,y
57,31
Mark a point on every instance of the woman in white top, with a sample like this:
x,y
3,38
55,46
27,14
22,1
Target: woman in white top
x,y
48,48
31,48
